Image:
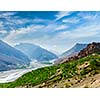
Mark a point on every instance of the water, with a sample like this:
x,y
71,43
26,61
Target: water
x,y
12,75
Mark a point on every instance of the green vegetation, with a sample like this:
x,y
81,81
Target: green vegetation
x,y
57,73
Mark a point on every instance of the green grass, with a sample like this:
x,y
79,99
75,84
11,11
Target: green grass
x,y
51,73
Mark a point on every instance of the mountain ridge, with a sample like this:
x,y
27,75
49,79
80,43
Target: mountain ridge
x,y
11,57
74,50
35,52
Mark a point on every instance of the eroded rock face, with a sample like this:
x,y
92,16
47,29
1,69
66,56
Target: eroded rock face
x,y
90,49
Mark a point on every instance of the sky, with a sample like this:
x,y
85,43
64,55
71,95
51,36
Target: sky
x,y
56,31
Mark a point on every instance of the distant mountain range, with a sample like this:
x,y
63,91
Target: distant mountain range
x,y
11,57
74,50
36,52
23,53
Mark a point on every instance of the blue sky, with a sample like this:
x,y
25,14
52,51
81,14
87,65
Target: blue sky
x,y
53,30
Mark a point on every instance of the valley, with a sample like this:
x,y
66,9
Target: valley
x,y
12,75
78,70
79,73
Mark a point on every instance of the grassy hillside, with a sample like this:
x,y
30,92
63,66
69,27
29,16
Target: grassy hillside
x,y
64,75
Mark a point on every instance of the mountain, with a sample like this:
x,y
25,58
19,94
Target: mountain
x,y
7,62
12,52
90,49
74,50
11,57
35,52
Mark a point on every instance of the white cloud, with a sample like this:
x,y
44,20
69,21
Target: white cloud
x,y
32,30
62,14
16,21
20,21
13,21
61,27
1,24
3,31
14,33
80,32
38,20
6,14
71,20
89,16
